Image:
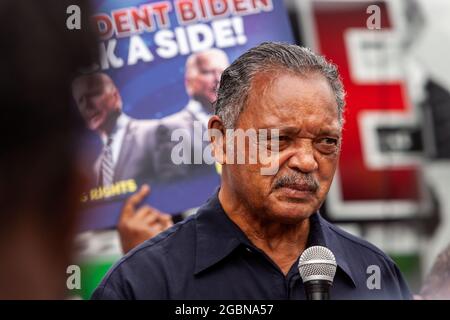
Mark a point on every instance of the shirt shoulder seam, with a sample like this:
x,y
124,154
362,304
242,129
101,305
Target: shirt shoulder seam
x,y
359,242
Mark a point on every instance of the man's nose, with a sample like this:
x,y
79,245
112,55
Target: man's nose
x,y
90,104
303,158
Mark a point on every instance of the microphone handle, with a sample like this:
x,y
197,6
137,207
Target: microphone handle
x,y
317,290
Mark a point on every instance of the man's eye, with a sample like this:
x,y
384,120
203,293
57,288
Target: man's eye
x,y
206,72
327,145
329,141
275,143
278,138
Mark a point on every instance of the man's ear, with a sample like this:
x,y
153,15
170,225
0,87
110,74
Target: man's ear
x,y
216,131
117,97
187,86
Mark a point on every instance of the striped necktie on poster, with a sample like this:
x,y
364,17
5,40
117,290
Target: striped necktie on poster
x,y
107,168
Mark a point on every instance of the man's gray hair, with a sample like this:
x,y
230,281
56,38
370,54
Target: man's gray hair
x,y
236,80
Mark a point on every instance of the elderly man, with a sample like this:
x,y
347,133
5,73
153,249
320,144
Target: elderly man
x,y
245,242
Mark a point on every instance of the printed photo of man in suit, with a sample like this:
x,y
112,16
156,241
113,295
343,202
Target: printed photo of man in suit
x,y
202,76
141,149
127,153
128,143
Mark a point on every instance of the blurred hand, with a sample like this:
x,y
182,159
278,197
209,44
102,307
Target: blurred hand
x,y
139,224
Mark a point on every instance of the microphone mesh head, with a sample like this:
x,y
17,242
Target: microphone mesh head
x,y
317,263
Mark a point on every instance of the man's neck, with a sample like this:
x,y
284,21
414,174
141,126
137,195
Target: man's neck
x,y
283,243
108,127
207,106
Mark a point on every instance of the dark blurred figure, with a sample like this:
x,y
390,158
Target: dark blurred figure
x,y
41,175
437,284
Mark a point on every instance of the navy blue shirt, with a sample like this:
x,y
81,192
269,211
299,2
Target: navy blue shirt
x,y
207,256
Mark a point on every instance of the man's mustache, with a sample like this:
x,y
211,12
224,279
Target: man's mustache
x,y
299,181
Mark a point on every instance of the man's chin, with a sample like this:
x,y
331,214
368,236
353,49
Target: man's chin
x,y
292,213
94,124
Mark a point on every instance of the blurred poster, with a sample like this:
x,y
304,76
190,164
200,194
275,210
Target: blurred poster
x,y
148,101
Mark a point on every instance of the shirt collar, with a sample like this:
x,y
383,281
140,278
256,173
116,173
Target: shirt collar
x,y
121,124
198,111
218,237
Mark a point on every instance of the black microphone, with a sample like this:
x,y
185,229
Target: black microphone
x,y
317,267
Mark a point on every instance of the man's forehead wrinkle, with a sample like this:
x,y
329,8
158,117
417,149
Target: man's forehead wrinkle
x,y
91,82
263,82
303,115
200,63
268,94
273,110
260,84
211,59
264,95
271,113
